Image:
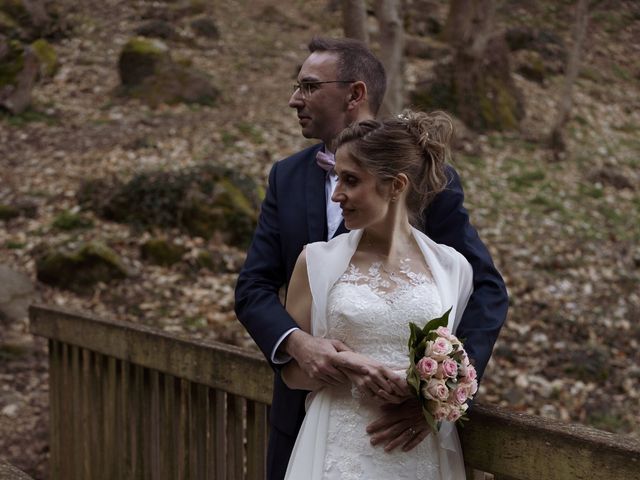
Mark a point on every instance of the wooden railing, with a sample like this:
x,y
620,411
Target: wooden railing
x,y
129,402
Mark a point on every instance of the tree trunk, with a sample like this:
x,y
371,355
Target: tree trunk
x,y
556,137
391,53
477,84
469,25
354,19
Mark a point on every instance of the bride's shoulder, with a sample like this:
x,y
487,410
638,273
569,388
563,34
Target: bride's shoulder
x,y
445,253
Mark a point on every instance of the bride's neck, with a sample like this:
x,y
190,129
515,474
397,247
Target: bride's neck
x,y
388,242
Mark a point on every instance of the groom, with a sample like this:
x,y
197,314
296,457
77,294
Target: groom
x,y
341,82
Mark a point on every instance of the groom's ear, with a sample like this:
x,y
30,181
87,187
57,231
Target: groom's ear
x,y
357,95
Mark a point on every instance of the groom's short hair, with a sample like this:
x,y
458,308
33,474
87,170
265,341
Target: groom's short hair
x,y
356,62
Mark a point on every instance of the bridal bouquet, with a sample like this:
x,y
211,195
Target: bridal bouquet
x,y
439,372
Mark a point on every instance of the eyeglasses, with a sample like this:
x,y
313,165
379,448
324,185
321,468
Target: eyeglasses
x,y
307,88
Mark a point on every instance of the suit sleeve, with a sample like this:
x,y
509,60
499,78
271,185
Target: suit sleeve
x,y
447,221
257,302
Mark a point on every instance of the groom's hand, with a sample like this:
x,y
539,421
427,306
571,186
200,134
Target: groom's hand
x,y
401,425
316,356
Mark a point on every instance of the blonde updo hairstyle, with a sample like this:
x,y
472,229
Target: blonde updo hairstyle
x,y
413,143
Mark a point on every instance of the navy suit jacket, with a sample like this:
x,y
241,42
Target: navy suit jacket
x,y
293,214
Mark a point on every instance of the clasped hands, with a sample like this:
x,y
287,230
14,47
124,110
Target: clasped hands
x,y
331,362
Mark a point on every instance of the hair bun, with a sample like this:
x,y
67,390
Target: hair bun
x,y
432,132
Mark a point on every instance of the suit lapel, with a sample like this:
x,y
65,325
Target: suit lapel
x,y
316,202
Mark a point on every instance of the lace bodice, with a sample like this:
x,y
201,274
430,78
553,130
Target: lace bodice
x,y
371,311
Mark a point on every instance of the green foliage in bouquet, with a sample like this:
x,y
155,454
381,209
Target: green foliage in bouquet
x,y
418,339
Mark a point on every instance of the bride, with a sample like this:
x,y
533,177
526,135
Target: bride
x,y
363,288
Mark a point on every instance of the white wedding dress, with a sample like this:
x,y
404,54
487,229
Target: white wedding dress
x,y
370,310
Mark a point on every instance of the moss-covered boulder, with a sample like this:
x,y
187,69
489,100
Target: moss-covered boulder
x,y
549,49
8,212
480,91
48,57
28,21
161,251
148,72
204,26
202,201
81,268
530,65
68,221
156,28
19,68
141,58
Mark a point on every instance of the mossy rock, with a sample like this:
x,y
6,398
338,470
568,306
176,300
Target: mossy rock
x,y
71,221
201,201
15,10
481,92
161,252
148,72
204,26
8,212
531,66
156,28
9,27
46,20
12,64
81,268
140,58
48,57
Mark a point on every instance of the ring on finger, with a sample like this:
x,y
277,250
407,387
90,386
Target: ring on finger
x,y
412,431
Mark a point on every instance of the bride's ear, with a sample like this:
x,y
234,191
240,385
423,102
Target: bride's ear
x,y
399,185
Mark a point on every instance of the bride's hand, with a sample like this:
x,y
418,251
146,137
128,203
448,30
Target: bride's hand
x,y
372,378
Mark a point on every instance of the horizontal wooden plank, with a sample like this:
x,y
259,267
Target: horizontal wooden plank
x,y
217,365
508,444
528,447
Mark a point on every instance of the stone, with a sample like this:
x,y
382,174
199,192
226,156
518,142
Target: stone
x,y
140,58
530,65
205,27
612,176
48,58
156,28
18,72
148,72
202,201
480,91
17,292
8,212
81,268
161,251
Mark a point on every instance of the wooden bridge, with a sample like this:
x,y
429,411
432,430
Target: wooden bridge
x,y
131,402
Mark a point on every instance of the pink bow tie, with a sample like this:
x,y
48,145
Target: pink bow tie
x,y
326,160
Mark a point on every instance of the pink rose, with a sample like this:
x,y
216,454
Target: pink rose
x,y
454,414
436,389
444,332
460,394
441,347
471,373
450,368
473,387
426,367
